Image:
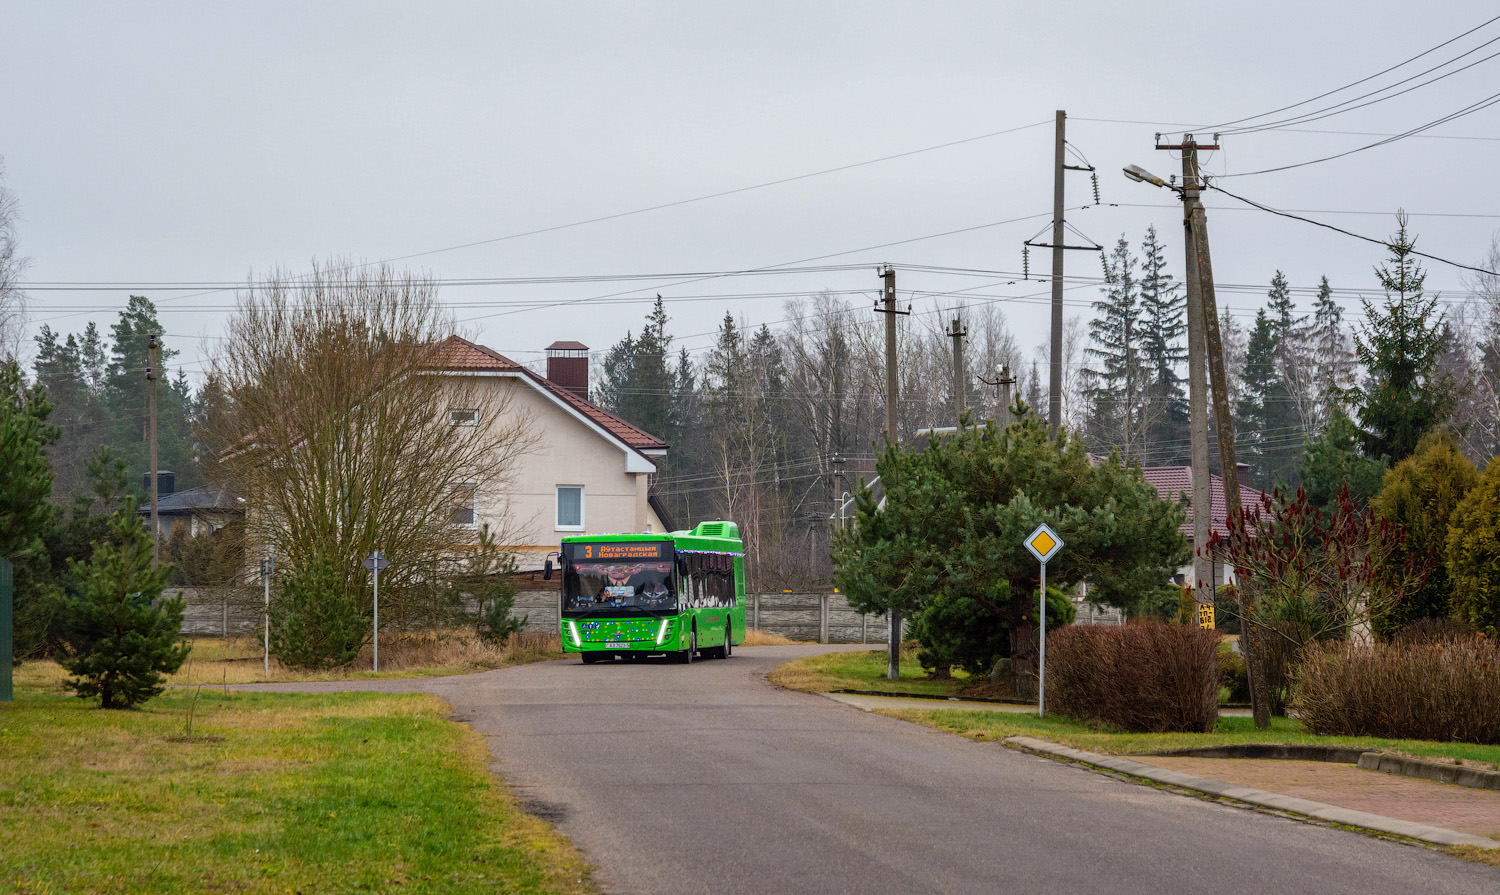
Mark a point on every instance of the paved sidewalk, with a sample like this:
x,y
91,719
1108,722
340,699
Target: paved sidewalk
x,y
1461,808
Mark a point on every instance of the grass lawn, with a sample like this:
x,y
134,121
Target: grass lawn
x,y
997,725
866,671
862,671
276,793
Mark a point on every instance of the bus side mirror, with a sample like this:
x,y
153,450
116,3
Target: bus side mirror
x,y
682,568
547,571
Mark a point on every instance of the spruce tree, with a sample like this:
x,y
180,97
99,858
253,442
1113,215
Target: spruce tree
x,y
1401,397
1293,362
1115,377
122,636
1259,396
1334,364
1163,352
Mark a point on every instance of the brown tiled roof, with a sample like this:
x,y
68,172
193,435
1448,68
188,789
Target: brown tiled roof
x,y
455,353
1172,481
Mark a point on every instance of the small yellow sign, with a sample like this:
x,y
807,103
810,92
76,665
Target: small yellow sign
x,y
1043,543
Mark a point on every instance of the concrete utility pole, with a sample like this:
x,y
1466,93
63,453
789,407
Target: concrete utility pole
x,y
1198,227
153,375
960,381
839,491
892,396
1203,583
1055,384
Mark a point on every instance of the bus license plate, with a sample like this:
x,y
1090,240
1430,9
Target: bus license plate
x,y
617,646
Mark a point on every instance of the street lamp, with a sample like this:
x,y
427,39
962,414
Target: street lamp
x,y
1141,175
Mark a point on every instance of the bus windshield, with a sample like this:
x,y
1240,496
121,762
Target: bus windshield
x,y
618,586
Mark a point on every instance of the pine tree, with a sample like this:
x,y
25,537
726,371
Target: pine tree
x,y
25,509
1401,397
122,636
1163,352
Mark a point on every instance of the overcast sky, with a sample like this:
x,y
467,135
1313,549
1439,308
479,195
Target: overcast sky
x,y
153,144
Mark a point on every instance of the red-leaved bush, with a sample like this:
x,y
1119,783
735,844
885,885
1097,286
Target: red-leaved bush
x,y
1445,690
1145,678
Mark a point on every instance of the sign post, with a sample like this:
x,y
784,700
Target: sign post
x,y
375,562
1043,544
267,567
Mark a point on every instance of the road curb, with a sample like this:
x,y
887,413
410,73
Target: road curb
x,y
1430,770
1319,810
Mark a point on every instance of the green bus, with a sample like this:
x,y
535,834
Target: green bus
x,y
635,595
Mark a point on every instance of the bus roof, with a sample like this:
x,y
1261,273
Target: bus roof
x,y
709,537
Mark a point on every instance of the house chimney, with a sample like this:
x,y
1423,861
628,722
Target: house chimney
x,y
568,366
166,482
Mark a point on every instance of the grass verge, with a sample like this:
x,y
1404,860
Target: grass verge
x,y
862,671
215,661
998,726
327,793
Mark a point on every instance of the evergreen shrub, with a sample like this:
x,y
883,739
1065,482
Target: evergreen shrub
x,y
121,638
317,621
1434,690
1147,678
1473,553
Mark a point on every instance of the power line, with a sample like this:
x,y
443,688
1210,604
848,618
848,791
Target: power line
x,y
1404,62
1470,109
1381,242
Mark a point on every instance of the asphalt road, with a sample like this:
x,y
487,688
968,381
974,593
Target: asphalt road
x,y
705,778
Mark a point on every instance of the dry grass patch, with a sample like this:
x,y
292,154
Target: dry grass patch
x,y
763,638
216,662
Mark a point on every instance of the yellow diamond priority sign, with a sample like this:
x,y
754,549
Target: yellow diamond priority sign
x,y
1043,543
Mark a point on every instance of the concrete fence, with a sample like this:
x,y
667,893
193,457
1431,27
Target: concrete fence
x,y
813,617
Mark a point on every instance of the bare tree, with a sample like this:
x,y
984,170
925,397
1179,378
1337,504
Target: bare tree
x,y
335,422
12,265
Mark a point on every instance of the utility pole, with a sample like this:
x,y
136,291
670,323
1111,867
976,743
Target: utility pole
x,y
839,492
1197,221
960,381
1060,165
153,375
1055,384
1203,585
888,308
1002,382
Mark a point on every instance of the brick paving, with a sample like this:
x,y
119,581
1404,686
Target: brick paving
x,y
1446,805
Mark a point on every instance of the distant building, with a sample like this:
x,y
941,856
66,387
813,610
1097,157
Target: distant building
x,y
196,511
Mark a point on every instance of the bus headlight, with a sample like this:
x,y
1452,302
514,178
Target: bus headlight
x,y
661,634
573,629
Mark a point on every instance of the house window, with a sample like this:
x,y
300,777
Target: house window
x,y
569,507
462,514
463,417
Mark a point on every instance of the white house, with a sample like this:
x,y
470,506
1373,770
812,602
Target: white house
x,y
588,471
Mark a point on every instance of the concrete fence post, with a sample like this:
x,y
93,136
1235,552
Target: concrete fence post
x,y
756,609
822,618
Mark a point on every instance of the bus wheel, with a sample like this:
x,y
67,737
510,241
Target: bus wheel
x,y
686,656
728,648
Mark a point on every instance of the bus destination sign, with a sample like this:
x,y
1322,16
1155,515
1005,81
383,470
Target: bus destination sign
x,y
615,551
